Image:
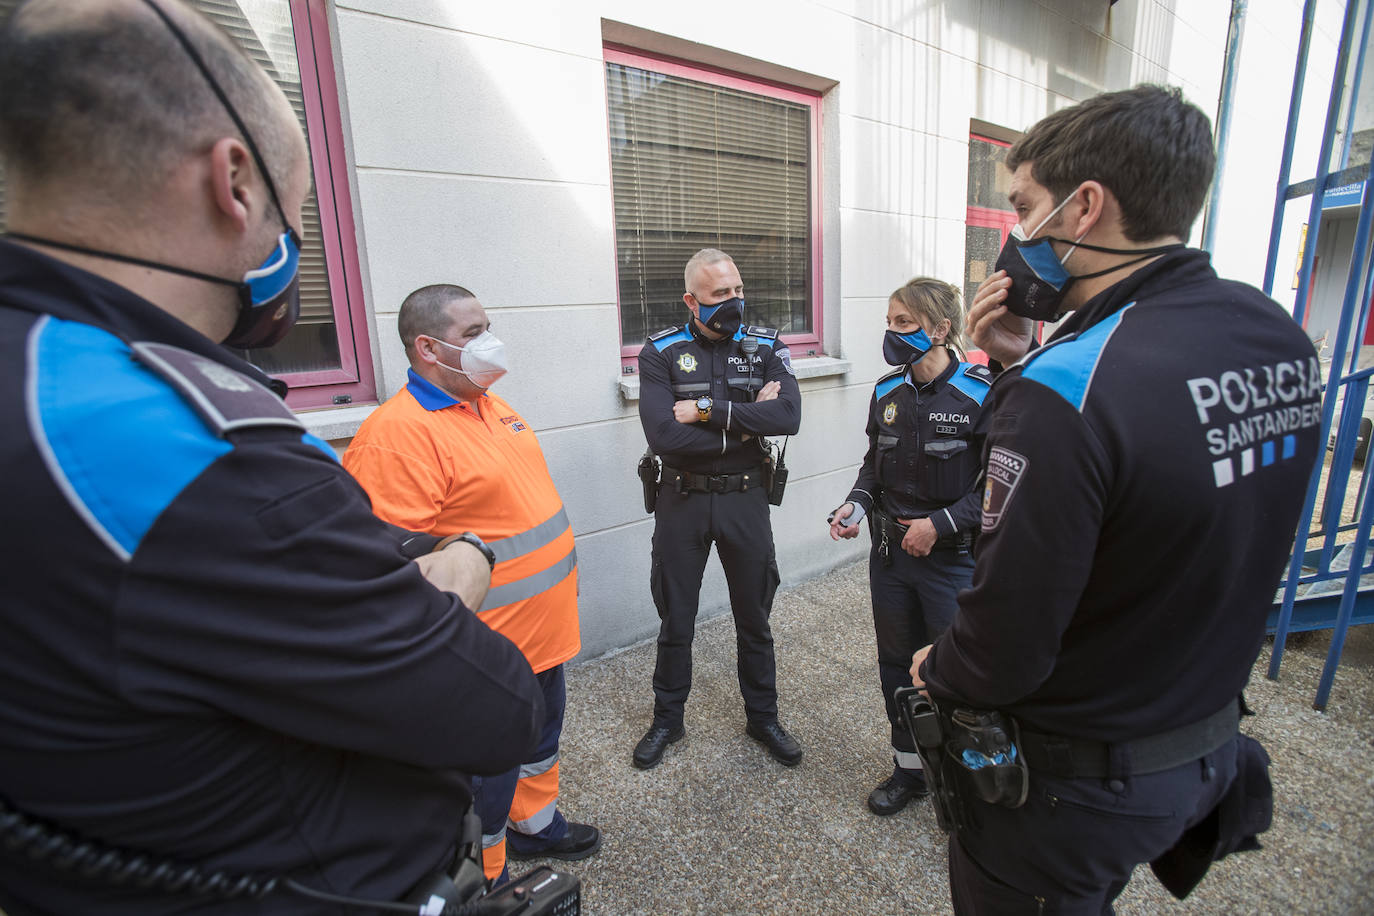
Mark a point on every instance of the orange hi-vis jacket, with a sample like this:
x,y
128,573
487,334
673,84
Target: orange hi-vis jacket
x,y
434,464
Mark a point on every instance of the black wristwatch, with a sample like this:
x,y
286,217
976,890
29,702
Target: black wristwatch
x,y
475,541
704,408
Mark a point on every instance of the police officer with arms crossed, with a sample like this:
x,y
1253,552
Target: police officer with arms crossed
x,y
1130,543
214,653
918,486
709,392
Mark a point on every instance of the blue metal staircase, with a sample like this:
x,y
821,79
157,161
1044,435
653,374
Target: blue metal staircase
x,y
1330,581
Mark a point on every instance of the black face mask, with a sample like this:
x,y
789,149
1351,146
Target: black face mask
x,y
903,349
1039,280
723,317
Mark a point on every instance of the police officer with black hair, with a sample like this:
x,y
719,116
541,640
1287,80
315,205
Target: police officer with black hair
x,y
918,488
710,391
1144,474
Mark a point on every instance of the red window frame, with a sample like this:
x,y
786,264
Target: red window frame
x,y
353,379
809,343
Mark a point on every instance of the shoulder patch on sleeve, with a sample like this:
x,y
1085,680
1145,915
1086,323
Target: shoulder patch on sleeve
x,y
224,399
1004,473
756,331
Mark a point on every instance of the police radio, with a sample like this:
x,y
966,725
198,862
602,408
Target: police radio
x,y
774,471
540,892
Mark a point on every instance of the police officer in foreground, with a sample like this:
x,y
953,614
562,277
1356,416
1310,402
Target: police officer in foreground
x,y
918,487
1145,471
214,654
709,392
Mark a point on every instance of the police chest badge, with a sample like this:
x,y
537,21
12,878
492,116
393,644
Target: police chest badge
x,y
890,412
1005,470
687,362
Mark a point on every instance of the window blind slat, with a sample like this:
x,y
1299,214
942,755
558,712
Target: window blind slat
x,y
695,165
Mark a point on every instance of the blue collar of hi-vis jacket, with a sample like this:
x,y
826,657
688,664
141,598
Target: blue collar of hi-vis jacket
x,y
429,395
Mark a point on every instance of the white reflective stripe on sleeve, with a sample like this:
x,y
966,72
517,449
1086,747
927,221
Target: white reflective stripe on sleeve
x,y
491,839
907,760
953,528
537,821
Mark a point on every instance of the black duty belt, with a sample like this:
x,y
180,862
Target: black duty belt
x,y
895,531
1077,758
686,481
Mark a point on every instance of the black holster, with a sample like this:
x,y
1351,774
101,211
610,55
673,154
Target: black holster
x,y
994,771
648,477
927,728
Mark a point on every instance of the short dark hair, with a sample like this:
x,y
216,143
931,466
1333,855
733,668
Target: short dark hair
x,y
425,311
110,95
1146,145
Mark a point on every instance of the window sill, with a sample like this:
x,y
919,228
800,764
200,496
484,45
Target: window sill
x,y
811,367
334,423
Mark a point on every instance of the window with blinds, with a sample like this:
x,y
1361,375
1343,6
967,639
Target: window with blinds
x,y
702,161
990,216
264,29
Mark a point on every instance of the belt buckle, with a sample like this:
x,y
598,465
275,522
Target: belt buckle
x,y
715,483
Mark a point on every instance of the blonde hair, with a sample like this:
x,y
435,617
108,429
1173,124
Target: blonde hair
x,y
933,300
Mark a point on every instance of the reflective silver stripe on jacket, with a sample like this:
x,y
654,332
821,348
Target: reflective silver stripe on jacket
x,y
528,541
530,586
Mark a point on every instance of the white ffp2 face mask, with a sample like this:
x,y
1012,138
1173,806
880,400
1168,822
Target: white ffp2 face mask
x,y
483,360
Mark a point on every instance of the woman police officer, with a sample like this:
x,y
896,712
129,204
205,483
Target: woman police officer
x,y
918,486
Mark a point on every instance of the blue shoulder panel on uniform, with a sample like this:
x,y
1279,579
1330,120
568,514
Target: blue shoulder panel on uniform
x,y
310,439
663,339
120,442
1067,368
973,383
889,382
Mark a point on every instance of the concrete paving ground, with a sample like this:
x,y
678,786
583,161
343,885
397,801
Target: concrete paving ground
x,y
720,828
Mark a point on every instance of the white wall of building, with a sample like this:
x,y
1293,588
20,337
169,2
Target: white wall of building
x,y
478,137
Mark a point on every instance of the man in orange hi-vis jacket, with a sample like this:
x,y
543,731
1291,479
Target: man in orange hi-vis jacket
x,y
447,457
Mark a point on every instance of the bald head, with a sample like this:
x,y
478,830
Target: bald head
x,y
98,96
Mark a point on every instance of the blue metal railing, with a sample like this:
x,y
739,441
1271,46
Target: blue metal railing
x,y
1343,384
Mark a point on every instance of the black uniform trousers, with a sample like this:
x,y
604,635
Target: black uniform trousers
x,y
1070,850
914,600
685,526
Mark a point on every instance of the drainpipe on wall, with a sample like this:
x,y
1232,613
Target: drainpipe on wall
x,y
1228,95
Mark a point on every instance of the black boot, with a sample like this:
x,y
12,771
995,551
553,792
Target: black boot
x,y
894,792
649,750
